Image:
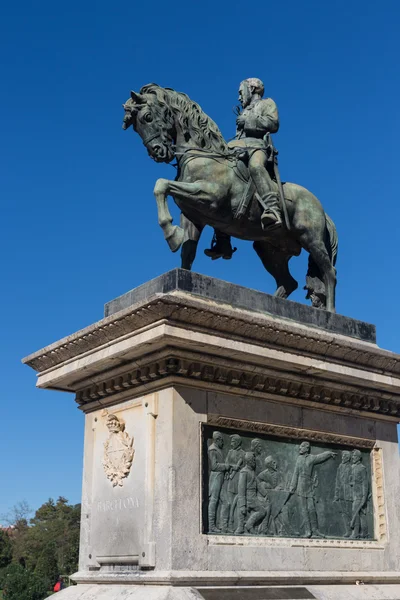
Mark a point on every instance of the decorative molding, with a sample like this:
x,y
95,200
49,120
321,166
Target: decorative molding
x,y
289,432
379,495
279,542
153,371
203,315
238,579
297,387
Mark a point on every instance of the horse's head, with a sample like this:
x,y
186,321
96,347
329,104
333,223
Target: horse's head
x,y
153,123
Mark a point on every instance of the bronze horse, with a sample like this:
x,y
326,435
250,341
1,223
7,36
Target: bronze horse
x,y
210,187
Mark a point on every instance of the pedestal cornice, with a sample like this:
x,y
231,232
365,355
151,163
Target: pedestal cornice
x,y
184,338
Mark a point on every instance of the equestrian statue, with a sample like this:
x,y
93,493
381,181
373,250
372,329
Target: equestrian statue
x,y
234,187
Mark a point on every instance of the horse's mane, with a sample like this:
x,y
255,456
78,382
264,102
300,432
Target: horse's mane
x,y
191,118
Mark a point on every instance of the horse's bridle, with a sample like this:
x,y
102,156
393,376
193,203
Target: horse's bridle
x,y
150,138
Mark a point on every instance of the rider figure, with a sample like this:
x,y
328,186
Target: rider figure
x,y
258,118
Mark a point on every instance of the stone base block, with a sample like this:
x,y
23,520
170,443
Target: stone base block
x,y
139,592
127,592
354,592
186,380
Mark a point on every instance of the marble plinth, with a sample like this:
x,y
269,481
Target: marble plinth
x,y
184,354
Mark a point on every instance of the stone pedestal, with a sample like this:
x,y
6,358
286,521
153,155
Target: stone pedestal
x,y
185,356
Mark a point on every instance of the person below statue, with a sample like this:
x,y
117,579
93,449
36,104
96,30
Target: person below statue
x,y
258,118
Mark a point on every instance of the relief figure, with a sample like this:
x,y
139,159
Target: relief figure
x,y
279,487
360,493
303,484
218,468
250,509
271,486
235,461
256,446
343,491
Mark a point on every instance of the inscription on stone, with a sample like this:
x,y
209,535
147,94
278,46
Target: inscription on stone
x,y
117,504
285,488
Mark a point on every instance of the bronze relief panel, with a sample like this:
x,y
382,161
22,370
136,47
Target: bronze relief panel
x,y
283,487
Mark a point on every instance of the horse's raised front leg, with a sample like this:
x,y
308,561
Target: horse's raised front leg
x,y
172,233
191,193
276,263
191,238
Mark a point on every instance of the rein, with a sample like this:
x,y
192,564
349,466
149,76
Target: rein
x,y
150,138
189,154
208,153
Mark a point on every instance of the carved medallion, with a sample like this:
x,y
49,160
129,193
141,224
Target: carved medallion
x,y
118,451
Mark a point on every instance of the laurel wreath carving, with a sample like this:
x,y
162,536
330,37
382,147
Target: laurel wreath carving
x,y
117,473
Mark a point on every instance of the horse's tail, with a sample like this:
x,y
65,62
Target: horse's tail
x,y
314,283
332,242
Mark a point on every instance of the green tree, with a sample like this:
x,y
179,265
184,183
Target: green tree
x,y
19,512
18,518
46,566
5,549
23,584
54,524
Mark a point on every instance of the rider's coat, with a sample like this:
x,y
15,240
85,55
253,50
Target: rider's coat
x,y
261,117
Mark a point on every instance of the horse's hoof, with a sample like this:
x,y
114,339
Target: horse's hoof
x,y
280,292
175,240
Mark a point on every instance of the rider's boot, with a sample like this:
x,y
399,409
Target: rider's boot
x,y
220,246
271,217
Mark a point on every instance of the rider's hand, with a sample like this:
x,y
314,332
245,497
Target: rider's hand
x,y
240,121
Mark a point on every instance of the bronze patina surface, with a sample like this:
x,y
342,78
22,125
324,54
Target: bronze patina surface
x,y
267,486
235,188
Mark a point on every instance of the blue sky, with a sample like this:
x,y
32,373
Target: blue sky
x,y
79,224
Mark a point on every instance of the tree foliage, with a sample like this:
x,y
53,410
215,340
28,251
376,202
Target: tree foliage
x,y
44,547
47,566
23,584
18,514
56,525
5,549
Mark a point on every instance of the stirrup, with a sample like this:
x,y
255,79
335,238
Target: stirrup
x,y
270,220
212,253
227,256
216,252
